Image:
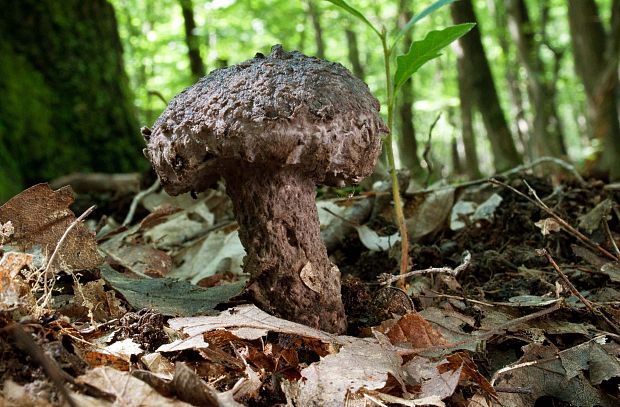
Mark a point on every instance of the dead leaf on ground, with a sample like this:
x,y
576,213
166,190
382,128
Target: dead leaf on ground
x,y
40,216
168,296
543,372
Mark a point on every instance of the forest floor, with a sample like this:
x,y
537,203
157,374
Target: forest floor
x,y
513,299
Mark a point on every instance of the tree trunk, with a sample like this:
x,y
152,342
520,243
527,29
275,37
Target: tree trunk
x,y
192,40
596,61
547,132
354,53
315,20
472,166
66,103
505,154
407,143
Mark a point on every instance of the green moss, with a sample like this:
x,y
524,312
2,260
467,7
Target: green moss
x,y
66,104
25,119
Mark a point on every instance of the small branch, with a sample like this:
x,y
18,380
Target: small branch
x,y
611,238
387,279
575,292
47,271
566,281
157,94
24,342
137,199
542,160
427,150
571,230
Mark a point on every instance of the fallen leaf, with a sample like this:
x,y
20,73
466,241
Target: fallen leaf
x,y
430,213
548,225
40,217
168,296
129,391
373,242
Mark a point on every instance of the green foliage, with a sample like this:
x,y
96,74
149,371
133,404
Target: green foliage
x,y
425,50
419,53
415,19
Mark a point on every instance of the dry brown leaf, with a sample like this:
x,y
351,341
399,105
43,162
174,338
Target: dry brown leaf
x,y
40,216
129,391
541,372
102,305
412,329
362,363
13,290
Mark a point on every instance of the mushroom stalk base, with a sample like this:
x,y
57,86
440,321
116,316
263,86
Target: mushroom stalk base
x,y
290,273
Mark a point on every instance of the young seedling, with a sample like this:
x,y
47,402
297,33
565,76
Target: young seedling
x,y
273,127
407,64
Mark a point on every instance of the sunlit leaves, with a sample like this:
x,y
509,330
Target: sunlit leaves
x,y
428,10
425,50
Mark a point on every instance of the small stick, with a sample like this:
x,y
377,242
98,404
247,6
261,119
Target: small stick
x,y
485,335
49,366
575,292
427,150
137,199
386,279
611,238
52,258
571,230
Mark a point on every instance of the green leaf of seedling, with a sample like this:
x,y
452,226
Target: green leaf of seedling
x,y
428,10
344,5
423,51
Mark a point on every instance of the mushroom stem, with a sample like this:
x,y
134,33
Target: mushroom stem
x,y
290,272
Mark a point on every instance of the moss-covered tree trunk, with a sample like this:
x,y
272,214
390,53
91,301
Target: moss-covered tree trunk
x,y
65,99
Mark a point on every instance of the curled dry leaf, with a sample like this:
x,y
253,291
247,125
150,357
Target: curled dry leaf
x,y
40,216
548,225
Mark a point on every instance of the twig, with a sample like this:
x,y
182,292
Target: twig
x,y
50,262
540,161
49,366
427,150
575,292
571,230
137,199
157,94
485,335
387,279
565,280
611,238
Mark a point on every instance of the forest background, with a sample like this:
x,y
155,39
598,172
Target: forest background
x,y
534,78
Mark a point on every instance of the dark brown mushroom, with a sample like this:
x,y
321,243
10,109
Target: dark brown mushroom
x,y
273,127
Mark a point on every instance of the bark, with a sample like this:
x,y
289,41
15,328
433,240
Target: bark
x,y
596,61
407,143
354,53
547,137
505,155
279,228
315,20
192,40
66,102
472,165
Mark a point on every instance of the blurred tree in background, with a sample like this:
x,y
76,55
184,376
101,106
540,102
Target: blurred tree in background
x,y
534,79
66,105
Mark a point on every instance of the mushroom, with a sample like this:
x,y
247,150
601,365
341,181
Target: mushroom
x,y
273,127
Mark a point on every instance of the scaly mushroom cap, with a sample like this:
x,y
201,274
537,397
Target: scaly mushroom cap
x,y
285,109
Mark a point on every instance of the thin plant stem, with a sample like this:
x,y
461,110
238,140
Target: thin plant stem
x,y
398,208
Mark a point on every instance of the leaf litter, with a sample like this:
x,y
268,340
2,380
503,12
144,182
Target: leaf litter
x,y
152,313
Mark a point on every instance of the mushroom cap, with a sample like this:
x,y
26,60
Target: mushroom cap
x,y
285,109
